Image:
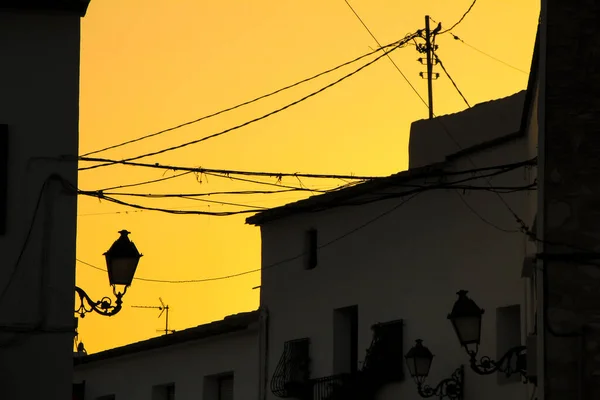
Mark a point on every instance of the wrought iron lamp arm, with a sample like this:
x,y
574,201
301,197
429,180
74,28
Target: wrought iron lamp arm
x,y
486,366
104,306
450,388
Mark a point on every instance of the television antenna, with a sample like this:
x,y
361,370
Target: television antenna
x,y
163,309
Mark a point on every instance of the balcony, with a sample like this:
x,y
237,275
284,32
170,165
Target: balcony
x,y
291,377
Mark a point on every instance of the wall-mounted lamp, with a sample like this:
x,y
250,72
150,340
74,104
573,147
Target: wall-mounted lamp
x,y
466,319
418,360
121,261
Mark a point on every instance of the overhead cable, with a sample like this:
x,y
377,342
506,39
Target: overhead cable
x,y
244,103
147,182
276,111
201,170
418,34
451,80
488,55
377,197
272,265
461,18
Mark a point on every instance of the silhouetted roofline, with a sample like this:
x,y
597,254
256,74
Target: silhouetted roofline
x,y
337,197
230,324
78,7
316,203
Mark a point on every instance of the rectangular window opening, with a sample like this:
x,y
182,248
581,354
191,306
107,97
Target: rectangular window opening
x,y
107,397
311,249
163,392
508,335
3,177
219,387
345,340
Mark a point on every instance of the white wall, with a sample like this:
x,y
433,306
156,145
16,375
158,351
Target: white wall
x,y
132,377
407,265
429,139
39,100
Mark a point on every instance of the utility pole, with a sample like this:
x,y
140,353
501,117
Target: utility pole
x,y
428,48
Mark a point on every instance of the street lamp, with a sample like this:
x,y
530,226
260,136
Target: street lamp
x,y
418,360
466,319
121,261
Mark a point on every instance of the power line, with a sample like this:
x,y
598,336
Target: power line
x,y
276,111
482,218
15,267
451,80
201,170
444,185
193,196
279,185
224,203
183,195
488,55
273,265
100,196
244,103
147,182
418,34
461,18
405,198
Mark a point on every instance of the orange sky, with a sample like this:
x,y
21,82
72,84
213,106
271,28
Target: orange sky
x,y
151,64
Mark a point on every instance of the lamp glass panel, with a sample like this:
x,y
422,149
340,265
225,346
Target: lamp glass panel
x,y
468,329
121,269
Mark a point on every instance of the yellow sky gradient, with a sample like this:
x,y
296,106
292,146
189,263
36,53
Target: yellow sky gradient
x,y
150,64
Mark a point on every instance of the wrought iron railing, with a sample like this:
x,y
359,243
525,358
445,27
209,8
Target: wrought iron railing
x,y
384,361
291,376
383,364
330,387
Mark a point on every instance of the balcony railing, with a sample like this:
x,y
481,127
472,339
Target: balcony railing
x,y
330,387
291,377
384,361
383,364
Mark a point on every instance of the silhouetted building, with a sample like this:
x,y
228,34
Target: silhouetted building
x,y
568,229
39,121
353,277
215,361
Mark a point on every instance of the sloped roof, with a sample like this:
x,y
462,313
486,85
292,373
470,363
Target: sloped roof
x,y
230,324
342,196
78,7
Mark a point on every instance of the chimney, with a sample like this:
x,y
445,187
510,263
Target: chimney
x,y
569,230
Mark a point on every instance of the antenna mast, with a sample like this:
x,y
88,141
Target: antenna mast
x,y
163,309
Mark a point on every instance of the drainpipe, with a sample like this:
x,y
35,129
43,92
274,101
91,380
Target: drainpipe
x,y
540,278
263,350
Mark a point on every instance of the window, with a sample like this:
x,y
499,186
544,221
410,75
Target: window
x,y
163,392
3,177
218,387
225,388
508,335
79,391
345,340
311,249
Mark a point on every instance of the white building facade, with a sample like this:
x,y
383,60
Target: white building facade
x,y
216,361
352,278
39,116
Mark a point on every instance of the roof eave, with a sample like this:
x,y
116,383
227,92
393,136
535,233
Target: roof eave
x,y
77,7
230,324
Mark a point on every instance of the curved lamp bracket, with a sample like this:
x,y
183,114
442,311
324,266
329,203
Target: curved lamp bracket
x,y
104,306
510,363
449,388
